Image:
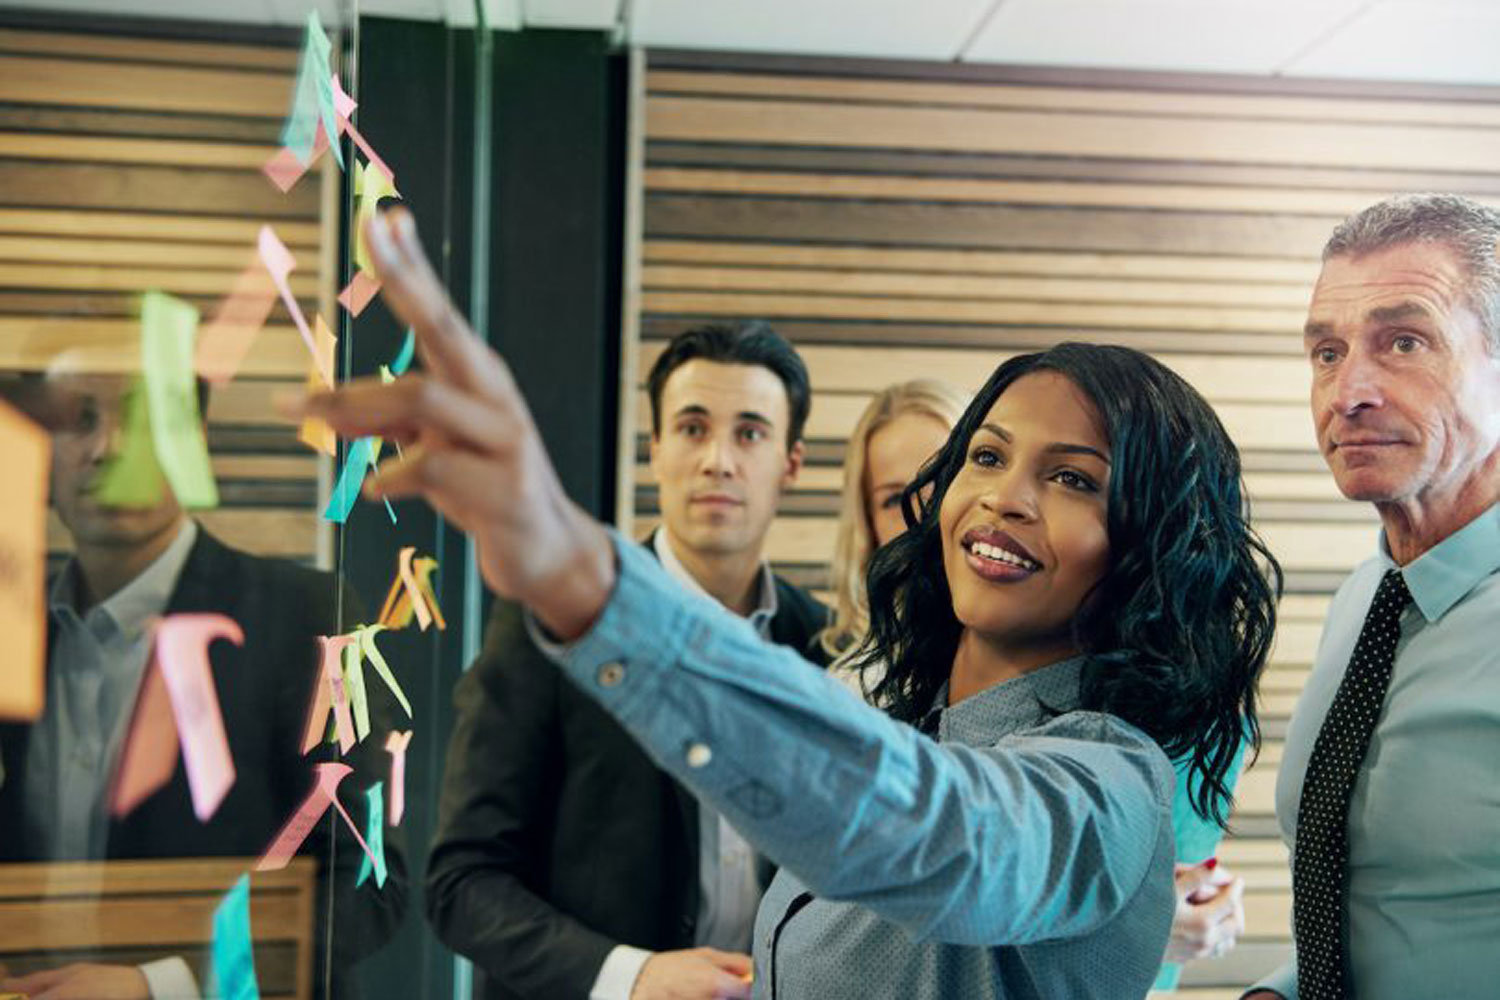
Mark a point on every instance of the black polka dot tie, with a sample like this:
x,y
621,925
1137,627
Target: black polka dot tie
x,y
1320,857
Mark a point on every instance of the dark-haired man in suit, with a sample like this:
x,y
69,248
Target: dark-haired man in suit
x,y
131,564
567,865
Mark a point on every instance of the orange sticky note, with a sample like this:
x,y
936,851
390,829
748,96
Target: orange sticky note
x,y
359,292
149,758
25,450
329,696
411,594
225,340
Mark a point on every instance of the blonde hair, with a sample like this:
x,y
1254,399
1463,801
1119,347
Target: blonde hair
x,y
855,542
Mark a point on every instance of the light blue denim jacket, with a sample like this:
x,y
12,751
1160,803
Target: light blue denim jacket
x,y
1027,852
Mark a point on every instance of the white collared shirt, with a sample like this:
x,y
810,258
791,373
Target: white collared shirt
x,y
730,889
95,665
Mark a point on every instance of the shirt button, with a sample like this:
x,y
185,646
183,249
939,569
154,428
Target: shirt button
x,y
699,754
611,674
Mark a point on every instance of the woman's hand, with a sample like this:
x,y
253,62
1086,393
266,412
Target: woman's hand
x,y
470,447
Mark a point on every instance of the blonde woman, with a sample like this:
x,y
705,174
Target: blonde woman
x,y
903,426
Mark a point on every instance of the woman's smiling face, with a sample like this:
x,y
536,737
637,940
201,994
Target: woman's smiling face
x,y
1024,522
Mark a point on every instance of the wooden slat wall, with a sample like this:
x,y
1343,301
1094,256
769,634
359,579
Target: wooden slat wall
x,y
893,225
130,162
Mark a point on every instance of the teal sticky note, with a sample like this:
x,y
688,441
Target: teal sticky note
x,y
375,837
346,490
312,97
408,351
169,327
233,959
132,477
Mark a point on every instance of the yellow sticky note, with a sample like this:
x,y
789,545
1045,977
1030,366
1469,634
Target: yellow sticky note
x,y
315,433
25,450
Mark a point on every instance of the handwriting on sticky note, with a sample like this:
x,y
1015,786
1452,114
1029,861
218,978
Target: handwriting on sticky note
x,y
168,328
396,743
324,794
182,655
25,451
329,696
233,958
375,837
226,338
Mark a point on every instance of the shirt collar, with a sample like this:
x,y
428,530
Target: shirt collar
x,y
766,604
134,604
1011,706
1443,575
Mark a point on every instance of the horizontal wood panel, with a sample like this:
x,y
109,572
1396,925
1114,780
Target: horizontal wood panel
x,y
43,79
789,282
997,227
113,345
109,225
128,921
100,149
76,45
1174,267
1139,136
869,369
1205,319
177,280
149,187
287,533
1074,193
1092,99
131,253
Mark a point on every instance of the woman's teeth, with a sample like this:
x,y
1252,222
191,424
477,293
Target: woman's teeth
x,y
998,554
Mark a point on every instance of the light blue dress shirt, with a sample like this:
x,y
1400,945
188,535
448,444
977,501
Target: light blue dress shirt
x,y
1027,849
1424,819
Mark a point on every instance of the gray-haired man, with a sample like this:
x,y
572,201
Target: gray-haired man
x,y
1388,793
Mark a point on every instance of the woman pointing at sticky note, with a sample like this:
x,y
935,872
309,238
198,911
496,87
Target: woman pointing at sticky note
x,y
1009,833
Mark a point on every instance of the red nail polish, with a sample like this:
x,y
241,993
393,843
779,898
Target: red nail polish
x,y
1211,864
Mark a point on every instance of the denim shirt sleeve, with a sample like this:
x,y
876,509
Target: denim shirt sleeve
x,y
1029,840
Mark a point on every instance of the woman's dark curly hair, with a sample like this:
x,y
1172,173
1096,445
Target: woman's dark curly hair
x,y
1177,630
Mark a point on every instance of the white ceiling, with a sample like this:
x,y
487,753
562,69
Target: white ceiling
x,y
1439,41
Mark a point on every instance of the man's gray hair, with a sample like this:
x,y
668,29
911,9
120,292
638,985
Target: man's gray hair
x,y
1466,227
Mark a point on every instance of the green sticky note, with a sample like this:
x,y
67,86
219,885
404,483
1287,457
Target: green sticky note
x,y
375,837
133,476
168,328
354,689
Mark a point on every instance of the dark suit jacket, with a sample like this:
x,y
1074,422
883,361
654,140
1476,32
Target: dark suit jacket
x,y
264,689
558,838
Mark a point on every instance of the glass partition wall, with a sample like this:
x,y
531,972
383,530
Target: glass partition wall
x,y
226,689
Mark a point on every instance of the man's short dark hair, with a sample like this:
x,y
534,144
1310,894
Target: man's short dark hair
x,y
752,342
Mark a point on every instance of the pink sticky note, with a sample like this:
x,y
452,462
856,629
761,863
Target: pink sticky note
x,y
329,695
325,793
395,745
149,758
358,293
182,654
279,264
343,104
284,170
226,338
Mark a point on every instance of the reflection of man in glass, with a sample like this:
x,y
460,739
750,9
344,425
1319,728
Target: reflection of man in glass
x,y
131,564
